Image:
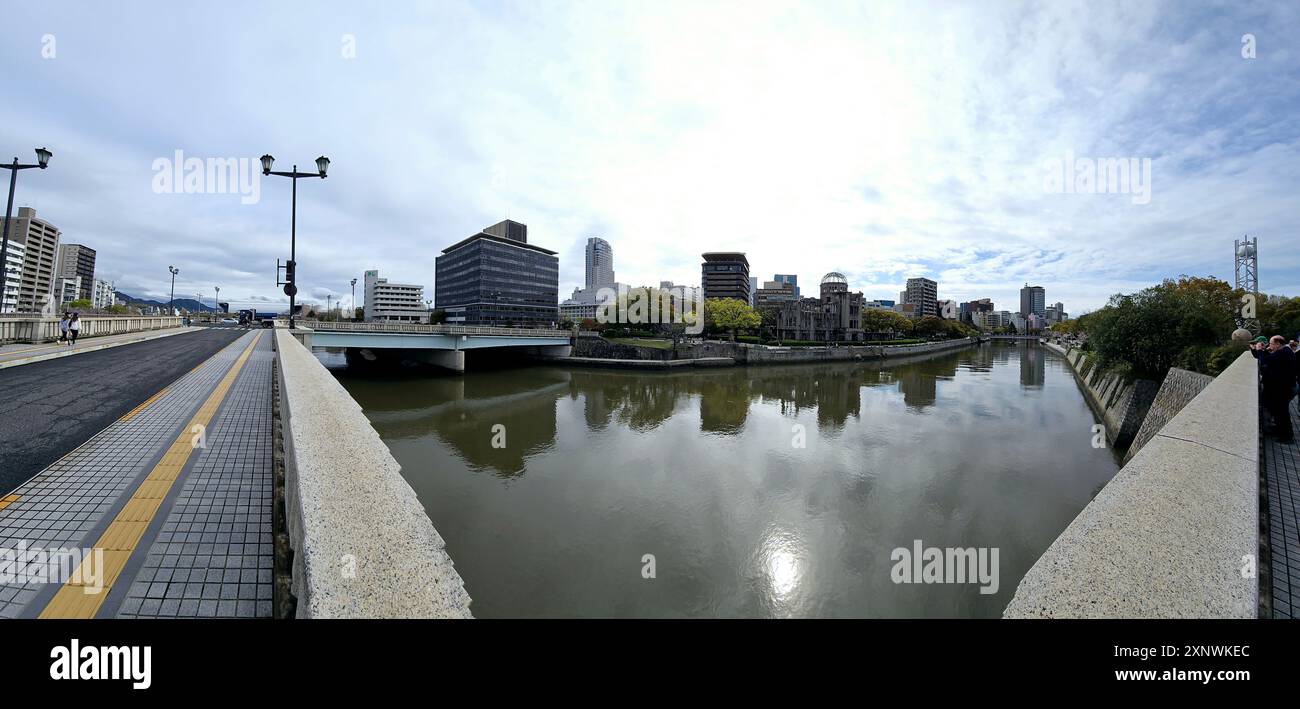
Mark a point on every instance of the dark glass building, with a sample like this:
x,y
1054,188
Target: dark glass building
x,y
725,275
496,278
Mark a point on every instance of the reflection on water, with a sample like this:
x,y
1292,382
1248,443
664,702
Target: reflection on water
x,y
985,447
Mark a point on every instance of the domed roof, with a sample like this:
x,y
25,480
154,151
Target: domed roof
x,y
835,277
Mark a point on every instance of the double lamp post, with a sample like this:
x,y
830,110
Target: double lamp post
x,y
290,285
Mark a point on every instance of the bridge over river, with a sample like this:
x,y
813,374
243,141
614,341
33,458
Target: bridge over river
x,y
441,345
164,452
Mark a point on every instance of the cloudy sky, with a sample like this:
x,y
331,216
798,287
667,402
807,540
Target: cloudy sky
x,y
883,140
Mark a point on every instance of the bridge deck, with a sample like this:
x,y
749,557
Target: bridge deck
x,y
183,520
1281,465
12,355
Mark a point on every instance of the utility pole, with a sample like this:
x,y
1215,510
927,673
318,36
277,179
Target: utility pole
x,y
171,304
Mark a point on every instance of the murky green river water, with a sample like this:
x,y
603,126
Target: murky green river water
x,y
759,492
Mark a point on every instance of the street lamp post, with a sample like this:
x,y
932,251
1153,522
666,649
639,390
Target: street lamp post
x,y
42,161
171,304
354,300
216,306
322,165
327,306
428,306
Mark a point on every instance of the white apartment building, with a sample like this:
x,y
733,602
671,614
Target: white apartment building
x,y
67,290
103,295
393,302
13,275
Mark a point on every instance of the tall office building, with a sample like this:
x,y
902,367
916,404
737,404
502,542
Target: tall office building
x,y
970,309
41,242
774,294
77,261
13,276
1033,300
923,294
788,278
497,278
725,275
600,263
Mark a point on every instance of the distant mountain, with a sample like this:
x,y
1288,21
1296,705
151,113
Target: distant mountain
x,y
189,304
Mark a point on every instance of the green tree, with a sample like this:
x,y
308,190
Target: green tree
x,y
887,321
730,314
79,304
1278,315
929,326
1173,323
1067,327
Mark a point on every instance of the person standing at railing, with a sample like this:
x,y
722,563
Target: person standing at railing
x,y
1277,377
63,328
74,327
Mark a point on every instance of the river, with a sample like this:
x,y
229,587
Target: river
x,y
780,491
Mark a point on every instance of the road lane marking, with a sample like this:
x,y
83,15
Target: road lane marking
x,y
124,533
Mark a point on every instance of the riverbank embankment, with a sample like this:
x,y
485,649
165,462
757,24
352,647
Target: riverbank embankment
x,y
598,352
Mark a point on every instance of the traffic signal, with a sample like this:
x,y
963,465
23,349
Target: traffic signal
x,y
288,271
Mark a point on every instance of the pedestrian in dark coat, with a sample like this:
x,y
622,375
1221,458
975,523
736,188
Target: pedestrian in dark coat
x,y
1277,381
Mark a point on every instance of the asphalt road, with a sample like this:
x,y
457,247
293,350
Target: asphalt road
x,y
49,408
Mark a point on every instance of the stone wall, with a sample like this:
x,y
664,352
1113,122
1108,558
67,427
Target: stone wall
x,y
1170,534
363,546
1121,405
604,349
1179,387
741,353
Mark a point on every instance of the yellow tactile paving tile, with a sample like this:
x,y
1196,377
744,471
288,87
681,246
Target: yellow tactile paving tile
x,y
122,535
7,500
150,489
139,509
127,528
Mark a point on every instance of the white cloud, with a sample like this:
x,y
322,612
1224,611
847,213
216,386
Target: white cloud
x,y
882,141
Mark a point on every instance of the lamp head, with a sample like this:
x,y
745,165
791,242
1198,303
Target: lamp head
x,y
267,162
43,157
322,165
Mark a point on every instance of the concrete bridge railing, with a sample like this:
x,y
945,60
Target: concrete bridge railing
x,y
419,329
43,329
363,545
1175,534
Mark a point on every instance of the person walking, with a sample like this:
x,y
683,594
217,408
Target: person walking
x,y
1278,377
63,328
74,328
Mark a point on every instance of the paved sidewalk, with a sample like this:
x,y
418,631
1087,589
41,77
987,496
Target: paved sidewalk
x,y
1282,470
19,354
176,494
